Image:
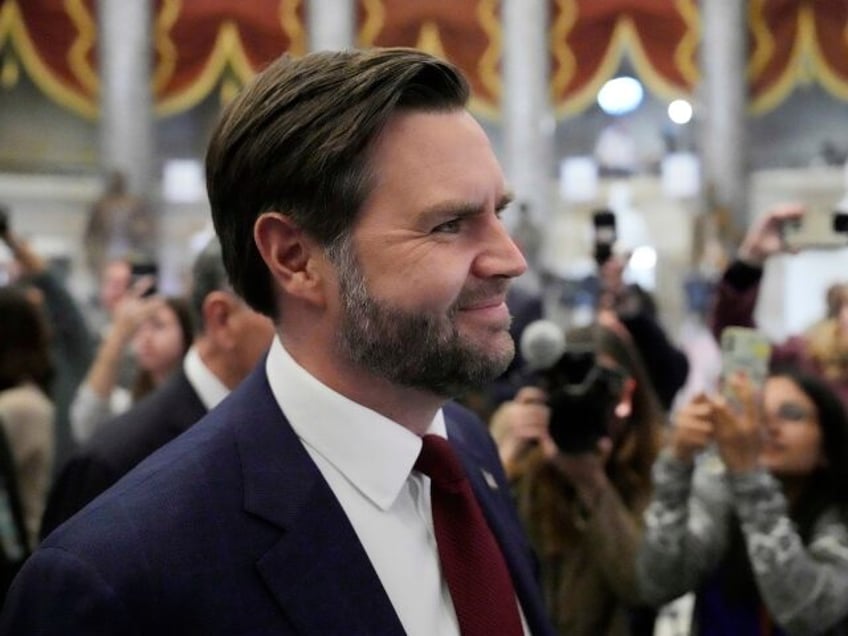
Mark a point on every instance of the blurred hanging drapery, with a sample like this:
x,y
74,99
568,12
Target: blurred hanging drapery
x,y
207,46
200,47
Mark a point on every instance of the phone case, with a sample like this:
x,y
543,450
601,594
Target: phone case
x,y
744,350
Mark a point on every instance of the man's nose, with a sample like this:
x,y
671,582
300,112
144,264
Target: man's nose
x,y
501,256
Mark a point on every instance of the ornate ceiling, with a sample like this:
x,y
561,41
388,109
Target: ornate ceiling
x,y
216,45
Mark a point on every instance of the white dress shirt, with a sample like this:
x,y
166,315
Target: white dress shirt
x,y
206,384
387,504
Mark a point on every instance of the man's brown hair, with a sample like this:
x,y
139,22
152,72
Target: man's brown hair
x,y
297,141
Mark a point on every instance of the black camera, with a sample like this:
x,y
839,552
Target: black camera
x,y
605,235
582,396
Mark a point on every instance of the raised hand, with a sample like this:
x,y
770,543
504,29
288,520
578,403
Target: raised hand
x,y
521,423
693,429
738,427
134,308
764,237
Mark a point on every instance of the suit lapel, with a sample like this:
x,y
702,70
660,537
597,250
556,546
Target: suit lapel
x,y
318,571
322,577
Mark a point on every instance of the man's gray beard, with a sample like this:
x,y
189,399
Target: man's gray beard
x,y
416,350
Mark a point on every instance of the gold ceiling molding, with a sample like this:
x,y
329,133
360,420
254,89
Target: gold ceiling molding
x,y
200,47
166,49
14,33
79,55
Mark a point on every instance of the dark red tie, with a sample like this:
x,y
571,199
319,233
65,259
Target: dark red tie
x,y
472,562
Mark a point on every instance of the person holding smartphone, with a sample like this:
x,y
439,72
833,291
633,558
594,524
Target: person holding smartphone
x,y
823,348
635,308
579,467
750,510
157,331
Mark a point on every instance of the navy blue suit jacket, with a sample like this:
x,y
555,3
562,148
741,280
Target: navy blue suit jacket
x,y
231,529
120,445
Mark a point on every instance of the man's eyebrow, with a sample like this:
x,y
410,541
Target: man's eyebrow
x,y
504,202
462,208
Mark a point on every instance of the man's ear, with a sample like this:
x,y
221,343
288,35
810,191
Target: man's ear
x,y
292,257
217,309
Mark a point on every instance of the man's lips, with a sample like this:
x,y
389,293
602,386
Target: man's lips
x,y
492,310
483,304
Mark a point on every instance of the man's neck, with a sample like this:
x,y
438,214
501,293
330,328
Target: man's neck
x,y
412,408
216,362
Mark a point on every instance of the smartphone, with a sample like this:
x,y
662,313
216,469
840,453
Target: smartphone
x,y
817,230
605,235
143,269
744,350
840,222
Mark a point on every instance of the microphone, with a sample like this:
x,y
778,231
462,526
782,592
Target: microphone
x,y
542,344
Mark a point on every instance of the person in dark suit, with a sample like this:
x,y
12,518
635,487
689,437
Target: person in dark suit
x,y
358,204
230,340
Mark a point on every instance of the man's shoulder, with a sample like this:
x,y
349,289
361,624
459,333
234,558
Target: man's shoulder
x,y
167,489
188,494
174,529
182,467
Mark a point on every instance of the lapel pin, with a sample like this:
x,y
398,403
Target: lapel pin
x,y
490,479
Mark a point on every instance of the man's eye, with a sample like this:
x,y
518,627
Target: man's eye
x,y
449,227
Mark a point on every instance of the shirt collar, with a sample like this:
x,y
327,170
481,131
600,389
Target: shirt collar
x,y
374,453
209,388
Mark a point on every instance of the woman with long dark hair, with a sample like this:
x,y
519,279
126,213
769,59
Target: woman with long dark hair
x,y
158,332
757,527
580,468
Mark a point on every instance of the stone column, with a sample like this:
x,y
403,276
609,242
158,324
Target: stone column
x,y
332,24
527,112
125,54
723,112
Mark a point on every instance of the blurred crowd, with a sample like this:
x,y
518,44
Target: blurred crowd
x,y
69,370
645,500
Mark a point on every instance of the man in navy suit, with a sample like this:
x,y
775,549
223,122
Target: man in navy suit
x,y
230,339
358,204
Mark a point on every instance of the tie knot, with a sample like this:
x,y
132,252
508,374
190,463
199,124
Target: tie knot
x,y
438,461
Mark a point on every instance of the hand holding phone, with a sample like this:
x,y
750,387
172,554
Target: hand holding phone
x,y
145,270
818,229
692,431
738,427
747,351
766,235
